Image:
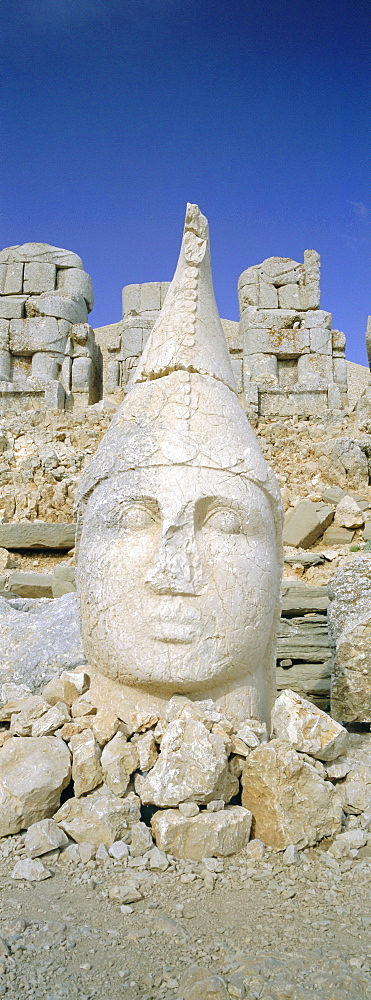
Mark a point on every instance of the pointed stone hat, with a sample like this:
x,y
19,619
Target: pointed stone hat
x,y
181,405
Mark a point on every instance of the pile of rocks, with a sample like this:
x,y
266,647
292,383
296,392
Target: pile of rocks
x,y
46,342
186,773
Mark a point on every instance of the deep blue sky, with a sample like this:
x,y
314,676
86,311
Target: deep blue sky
x,y
117,112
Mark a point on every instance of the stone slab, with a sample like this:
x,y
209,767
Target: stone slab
x,y
306,522
31,584
300,599
37,535
39,277
12,306
303,639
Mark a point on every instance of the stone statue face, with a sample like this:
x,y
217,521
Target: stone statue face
x,y
178,578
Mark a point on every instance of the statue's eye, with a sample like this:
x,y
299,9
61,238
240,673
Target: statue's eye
x,y
136,517
226,521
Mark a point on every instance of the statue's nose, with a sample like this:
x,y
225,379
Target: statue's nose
x,y
176,569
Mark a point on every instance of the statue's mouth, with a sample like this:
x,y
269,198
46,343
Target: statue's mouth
x,y
175,623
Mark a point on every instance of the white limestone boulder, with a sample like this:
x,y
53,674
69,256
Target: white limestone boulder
x,y
289,800
33,774
209,834
43,837
86,767
119,760
100,817
192,766
307,728
348,514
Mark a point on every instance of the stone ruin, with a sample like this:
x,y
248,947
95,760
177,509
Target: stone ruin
x,y
48,349
286,358
176,713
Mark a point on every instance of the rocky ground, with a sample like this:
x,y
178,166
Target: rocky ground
x,y
248,926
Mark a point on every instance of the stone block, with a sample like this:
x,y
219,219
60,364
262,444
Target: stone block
x,y
31,584
320,339
39,278
43,837
306,522
55,395
53,304
267,296
289,297
13,279
338,342
340,372
45,367
248,277
263,367
150,296
315,370
209,834
317,317
281,342
72,281
86,767
273,319
348,514
41,252
3,269
192,766
286,402
312,680
132,342
281,270
249,296
112,376
82,373
349,617
27,336
12,306
37,535
367,531
289,800
131,299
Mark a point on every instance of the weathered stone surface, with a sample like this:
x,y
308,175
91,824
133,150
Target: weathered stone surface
x,y
337,536
198,983
86,767
141,840
39,277
33,774
37,535
44,836
305,523
147,751
41,253
12,306
74,309
348,514
192,766
349,617
73,281
100,817
307,728
119,761
289,800
209,834
38,639
25,709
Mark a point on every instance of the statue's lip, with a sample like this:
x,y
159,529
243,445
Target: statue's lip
x,y
175,624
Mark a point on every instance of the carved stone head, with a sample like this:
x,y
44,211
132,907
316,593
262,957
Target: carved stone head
x,y
180,518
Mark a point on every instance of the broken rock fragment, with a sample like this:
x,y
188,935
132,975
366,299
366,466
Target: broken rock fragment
x,y
209,834
33,774
307,728
192,766
289,800
101,817
43,837
86,766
